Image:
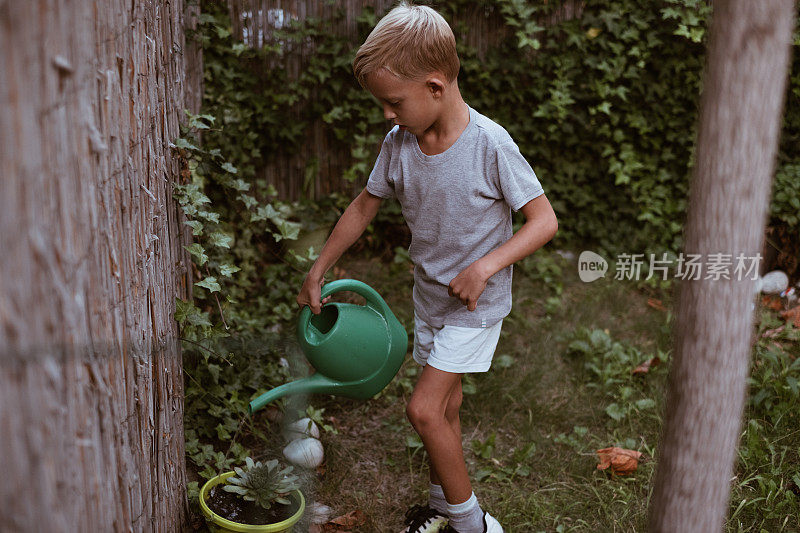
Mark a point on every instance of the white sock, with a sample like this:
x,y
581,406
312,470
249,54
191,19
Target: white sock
x,y
436,499
466,517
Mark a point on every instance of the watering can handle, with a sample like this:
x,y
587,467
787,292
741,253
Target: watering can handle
x,y
374,299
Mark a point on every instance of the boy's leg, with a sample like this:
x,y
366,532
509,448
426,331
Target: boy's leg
x,y
453,418
426,411
436,499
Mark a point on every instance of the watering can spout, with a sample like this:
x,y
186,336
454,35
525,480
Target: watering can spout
x,y
356,350
316,383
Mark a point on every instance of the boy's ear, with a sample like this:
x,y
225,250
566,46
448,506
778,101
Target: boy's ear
x,y
436,86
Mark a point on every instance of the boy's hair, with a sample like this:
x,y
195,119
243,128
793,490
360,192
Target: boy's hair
x,y
410,42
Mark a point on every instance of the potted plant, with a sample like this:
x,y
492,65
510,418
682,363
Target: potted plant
x,y
261,497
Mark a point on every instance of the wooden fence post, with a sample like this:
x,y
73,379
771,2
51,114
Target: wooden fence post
x,y
91,261
740,120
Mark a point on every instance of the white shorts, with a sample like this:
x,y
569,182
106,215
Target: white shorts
x,y
454,348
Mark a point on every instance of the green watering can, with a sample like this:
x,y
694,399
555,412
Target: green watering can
x,y
355,349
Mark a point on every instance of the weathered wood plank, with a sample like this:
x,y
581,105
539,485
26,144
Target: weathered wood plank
x,y
91,387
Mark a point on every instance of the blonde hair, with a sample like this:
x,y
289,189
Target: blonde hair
x,y
410,42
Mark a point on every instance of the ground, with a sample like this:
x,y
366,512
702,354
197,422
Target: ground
x,y
531,424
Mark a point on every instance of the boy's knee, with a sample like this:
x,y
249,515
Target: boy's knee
x,y
421,415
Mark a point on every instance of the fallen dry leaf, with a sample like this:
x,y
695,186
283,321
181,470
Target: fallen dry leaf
x,y
656,304
645,367
792,315
772,301
346,521
620,460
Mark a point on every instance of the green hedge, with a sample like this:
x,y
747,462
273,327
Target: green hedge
x,y
603,106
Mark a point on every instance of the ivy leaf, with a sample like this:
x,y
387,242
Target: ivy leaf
x,y
227,270
227,167
209,215
193,195
264,212
196,225
209,283
180,142
289,230
604,107
188,313
222,433
198,253
220,239
240,185
248,200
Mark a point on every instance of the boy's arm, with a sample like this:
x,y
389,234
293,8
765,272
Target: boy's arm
x,y
539,228
348,229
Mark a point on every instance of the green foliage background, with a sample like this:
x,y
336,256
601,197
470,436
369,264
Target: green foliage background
x,y
603,107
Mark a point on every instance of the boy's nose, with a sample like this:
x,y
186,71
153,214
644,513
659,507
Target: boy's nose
x,y
388,114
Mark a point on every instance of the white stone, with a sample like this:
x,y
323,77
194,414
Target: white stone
x,y
773,282
305,427
307,453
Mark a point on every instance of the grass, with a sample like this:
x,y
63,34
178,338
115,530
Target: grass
x,y
559,389
535,472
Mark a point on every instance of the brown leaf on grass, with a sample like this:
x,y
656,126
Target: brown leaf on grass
x,y
772,301
339,273
645,367
620,460
792,315
656,304
346,521
321,469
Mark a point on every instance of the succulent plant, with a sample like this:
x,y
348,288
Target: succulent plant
x,y
263,483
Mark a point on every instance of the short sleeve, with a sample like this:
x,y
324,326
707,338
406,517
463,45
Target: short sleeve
x,y
380,182
518,182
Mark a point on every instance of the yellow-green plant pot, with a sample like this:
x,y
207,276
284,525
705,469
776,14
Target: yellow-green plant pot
x,y
218,524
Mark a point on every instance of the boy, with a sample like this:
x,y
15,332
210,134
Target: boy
x,y
457,175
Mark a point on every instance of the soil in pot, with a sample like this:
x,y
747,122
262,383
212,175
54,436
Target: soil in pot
x,y
233,507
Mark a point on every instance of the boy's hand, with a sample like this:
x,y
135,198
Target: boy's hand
x,y
310,294
469,284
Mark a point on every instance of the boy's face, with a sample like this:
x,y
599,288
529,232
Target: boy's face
x,y
414,105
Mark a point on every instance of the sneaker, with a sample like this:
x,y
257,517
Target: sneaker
x,y
423,519
490,525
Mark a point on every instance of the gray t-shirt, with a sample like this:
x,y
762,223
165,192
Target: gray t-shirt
x,y
458,207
